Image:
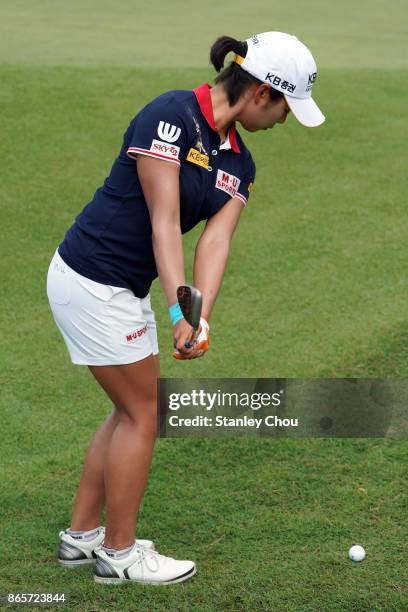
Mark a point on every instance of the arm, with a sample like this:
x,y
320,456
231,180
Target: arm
x,y
160,183
212,252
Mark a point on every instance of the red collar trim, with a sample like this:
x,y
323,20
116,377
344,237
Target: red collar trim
x,y
202,93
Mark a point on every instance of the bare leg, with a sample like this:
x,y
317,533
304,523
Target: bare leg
x,y
113,459
90,497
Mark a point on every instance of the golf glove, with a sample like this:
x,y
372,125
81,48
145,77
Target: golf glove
x,y
202,341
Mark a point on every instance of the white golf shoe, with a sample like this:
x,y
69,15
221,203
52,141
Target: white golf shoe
x,y
74,551
141,565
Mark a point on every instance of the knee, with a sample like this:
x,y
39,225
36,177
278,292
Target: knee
x,y
141,416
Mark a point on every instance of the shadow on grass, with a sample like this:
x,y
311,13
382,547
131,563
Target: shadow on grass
x,y
386,358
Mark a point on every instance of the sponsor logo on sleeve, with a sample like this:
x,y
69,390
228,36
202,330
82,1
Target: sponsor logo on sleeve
x,y
168,132
195,157
250,187
227,182
165,150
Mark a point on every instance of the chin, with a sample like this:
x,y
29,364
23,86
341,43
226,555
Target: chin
x,y
248,128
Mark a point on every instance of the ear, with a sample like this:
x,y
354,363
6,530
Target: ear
x,y
261,94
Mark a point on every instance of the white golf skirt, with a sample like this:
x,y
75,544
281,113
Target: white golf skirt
x,y
101,324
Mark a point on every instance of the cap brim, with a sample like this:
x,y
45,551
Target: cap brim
x,y
306,111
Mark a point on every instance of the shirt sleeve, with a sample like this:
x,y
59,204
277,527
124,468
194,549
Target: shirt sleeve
x,y
247,183
159,131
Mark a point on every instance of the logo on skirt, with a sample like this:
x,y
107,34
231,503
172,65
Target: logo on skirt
x,y
133,336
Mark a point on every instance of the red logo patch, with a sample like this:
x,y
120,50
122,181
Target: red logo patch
x,y
136,334
227,182
165,149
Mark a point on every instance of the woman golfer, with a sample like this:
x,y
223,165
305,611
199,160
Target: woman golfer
x,y
182,161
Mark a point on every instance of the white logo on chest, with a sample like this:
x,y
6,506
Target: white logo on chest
x,y
168,132
227,182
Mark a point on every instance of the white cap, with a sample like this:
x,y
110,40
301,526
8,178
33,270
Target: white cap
x,y
286,64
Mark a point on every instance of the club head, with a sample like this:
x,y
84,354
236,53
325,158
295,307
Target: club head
x,y
190,301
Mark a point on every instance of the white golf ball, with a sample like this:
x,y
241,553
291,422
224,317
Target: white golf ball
x,y
357,553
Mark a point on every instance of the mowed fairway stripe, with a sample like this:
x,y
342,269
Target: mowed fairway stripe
x,y
177,34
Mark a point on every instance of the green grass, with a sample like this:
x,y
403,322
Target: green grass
x,y
317,284
322,239
370,33
271,538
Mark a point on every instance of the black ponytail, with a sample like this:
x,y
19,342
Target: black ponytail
x,y
234,79
224,45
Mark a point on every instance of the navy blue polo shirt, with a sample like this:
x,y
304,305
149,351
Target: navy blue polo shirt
x,y
111,240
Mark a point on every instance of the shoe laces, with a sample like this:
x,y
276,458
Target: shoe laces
x,y
146,554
